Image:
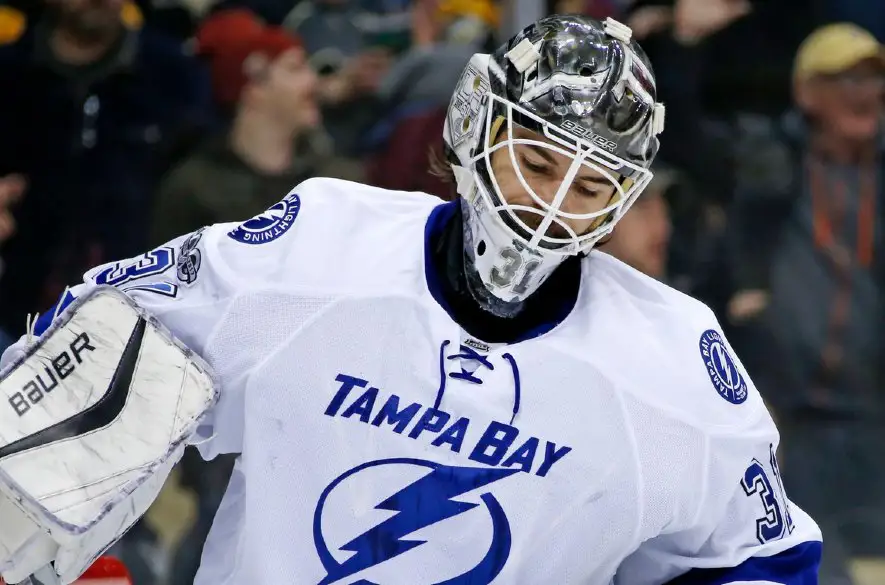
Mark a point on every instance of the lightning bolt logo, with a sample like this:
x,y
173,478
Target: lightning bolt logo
x,y
270,224
422,503
268,216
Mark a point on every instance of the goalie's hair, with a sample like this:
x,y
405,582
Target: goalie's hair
x,y
439,166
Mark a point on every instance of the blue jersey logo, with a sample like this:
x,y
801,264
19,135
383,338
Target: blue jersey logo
x,y
723,372
271,224
425,501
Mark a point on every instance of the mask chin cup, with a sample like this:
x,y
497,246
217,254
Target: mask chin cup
x,y
502,270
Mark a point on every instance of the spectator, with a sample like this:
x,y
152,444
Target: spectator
x,y
739,51
677,35
260,75
642,237
674,233
11,189
414,97
807,253
351,61
90,99
401,157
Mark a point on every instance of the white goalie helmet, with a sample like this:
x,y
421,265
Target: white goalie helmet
x,y
587,92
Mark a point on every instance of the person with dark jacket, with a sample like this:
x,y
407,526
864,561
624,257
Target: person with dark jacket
x,y
809,264
90,100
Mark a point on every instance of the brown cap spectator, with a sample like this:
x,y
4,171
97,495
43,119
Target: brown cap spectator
x,y
274,138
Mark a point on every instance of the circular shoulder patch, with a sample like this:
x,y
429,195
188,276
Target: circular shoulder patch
x,y
269,225
721,368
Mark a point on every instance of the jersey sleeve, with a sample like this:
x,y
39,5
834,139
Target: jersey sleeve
x,y
234,292
184,284
755,536
744,529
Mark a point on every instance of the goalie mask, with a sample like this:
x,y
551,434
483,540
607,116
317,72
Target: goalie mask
x,y
576,94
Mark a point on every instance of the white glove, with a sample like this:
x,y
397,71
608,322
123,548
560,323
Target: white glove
x,y
92,420
23,543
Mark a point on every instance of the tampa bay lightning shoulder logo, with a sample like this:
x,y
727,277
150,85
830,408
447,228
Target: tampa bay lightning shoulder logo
x,y
269,225
422,494
723,372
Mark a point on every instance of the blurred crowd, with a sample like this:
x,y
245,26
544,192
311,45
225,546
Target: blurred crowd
x,y
126,123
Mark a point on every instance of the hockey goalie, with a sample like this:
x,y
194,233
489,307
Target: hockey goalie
x,y
417,391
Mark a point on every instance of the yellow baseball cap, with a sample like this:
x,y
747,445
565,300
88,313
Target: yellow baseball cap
x,y
12,25
131,15
485,10
834,48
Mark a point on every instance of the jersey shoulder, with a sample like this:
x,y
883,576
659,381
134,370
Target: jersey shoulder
x,y
325,233
673,354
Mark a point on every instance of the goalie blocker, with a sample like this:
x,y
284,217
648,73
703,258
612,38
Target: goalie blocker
x,y
92,419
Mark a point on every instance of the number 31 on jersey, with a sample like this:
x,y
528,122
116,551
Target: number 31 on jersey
x,y
756,483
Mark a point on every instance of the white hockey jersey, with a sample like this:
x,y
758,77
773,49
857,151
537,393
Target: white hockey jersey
x,y
381,444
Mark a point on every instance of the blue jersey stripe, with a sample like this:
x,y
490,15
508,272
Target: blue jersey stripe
x,y
794,566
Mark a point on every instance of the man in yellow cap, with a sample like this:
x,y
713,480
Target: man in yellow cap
x,y
809,262
838,78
